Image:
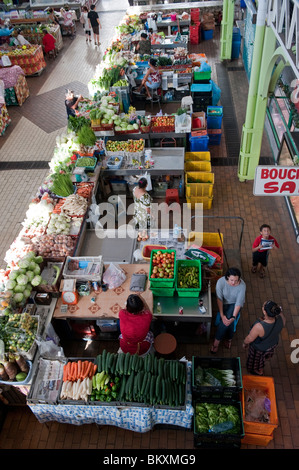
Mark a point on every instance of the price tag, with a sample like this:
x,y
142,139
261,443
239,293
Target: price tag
x,y
63,308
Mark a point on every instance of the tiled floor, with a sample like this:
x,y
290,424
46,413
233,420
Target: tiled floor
x,y
31,136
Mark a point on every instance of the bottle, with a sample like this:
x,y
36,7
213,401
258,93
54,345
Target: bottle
x,y
222,427
159,308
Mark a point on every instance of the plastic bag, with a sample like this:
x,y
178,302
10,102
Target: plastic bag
x,y
149,186
49,350
114,276
216,93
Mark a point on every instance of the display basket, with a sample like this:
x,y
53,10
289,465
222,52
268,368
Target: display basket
x,y
87,168
188,291
145,129
202,75
117,153
147,249
114,164
18,383
162,129
132,131
51,288
199,177
221,363
87,268
163,291
161,282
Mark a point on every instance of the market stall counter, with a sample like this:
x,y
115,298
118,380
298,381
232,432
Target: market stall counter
x,y
31,59
15,84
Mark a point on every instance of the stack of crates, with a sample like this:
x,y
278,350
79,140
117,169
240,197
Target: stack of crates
x,y
217,396
259,433
202,96
214,123
194,28
214,243
199,179
236,43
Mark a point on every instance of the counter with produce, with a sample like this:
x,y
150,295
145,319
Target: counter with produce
x,y
30,59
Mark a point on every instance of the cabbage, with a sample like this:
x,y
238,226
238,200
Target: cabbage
x,y
30,275
19,288
24,264
22,279
38,259
37,269
26,293
13,274
32,266
18,298
36,281
11,284
29,256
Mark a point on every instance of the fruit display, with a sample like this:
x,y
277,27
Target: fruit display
x,y
163,124
55,246
125,146
147,380
163,264
18,332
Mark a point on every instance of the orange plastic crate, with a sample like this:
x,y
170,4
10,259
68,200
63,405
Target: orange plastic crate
x,y
266,384
257,439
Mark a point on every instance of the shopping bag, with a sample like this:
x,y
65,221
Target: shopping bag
x,y
147,176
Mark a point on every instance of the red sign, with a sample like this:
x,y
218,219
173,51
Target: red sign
x,y
276,181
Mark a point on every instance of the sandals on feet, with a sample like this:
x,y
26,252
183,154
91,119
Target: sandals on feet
x,y
228,343
213,349
262,273
253,269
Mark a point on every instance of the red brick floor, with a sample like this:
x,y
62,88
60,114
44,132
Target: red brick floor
x,y
231,199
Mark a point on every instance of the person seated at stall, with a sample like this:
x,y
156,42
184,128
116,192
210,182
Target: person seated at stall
x,y
68,22
20,40
49,43
52,17
151,80
72,102
134,322
144,45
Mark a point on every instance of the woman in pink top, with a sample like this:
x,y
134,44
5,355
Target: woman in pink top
x,y
135,321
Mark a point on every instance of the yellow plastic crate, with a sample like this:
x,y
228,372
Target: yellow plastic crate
x,y
199,189
199,177
205,239
197,156
198,166
205,201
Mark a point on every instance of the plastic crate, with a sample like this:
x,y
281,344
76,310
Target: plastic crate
x,y
159,129
236,47
198,166
222,363
87,168
199,177
188,292
257,439
266,384
214,117
215,137
205,239
197,156
205,201
202,88
207,34
219,251
115,165
161,282
199,190
93,264
163,291
202,75
218,440
107,325
147,249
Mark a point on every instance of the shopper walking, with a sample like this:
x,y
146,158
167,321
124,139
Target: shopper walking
x,y
263,337
94,24
230,293
86,24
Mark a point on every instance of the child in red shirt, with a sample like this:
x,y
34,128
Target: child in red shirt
x,y
261,248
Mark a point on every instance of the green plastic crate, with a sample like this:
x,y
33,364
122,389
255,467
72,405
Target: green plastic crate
x,y
163,291
188,292
161,282
202,75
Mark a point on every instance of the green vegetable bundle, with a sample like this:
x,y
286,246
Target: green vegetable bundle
x,y
76,122
62,185
85,161
214,377
86,136
208,415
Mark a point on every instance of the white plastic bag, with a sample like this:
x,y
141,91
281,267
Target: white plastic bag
x,y
149,186
114,276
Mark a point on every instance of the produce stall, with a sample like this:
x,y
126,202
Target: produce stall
x,y
4,116
15,84
30,59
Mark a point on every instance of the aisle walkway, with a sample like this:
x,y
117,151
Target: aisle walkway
x,y
31,138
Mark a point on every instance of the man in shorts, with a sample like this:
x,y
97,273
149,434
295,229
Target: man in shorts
x,y
95,24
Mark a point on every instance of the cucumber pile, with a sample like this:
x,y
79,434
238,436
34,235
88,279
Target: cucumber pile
x,y
147,380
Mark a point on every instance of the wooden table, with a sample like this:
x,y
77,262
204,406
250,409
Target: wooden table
x,y
106,304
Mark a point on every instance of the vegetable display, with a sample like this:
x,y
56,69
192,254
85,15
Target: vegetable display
x,y
74,206
18,332
62,184
214,377
77,380
208,415
55,246
59,223
13,367
146,380
188,277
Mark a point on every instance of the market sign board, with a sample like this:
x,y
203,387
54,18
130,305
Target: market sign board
x,y
276,181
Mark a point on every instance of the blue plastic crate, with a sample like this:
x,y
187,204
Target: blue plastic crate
x,y
236,47
214,139
207,34
236,34
201,88
199,144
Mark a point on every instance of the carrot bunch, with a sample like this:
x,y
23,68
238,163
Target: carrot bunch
x,y
78,370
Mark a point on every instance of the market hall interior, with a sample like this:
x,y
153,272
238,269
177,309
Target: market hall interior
x,y
26,148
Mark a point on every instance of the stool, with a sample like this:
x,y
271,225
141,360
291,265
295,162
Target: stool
x,y
154,100
168,141
172,195
52,53
165,344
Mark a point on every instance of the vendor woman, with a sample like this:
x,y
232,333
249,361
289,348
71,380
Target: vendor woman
x,y
134,322
142,205
71,103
